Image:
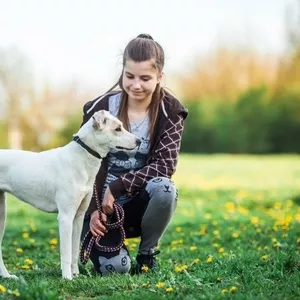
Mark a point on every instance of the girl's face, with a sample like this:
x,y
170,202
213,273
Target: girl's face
x,y
140,80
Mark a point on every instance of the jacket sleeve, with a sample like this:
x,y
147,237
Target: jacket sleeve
x,y
163,161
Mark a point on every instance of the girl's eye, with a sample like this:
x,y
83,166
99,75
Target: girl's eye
x,y
118,129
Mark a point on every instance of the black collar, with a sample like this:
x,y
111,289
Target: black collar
x,y
87,148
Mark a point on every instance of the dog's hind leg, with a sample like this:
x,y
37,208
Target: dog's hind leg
x,y
77,228
3,271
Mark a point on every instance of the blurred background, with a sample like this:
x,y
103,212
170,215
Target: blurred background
x,y
235,64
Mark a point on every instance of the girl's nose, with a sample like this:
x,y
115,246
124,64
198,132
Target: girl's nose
x,y
136,84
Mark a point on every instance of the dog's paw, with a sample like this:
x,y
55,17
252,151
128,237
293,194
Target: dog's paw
x,y
69,277
10,276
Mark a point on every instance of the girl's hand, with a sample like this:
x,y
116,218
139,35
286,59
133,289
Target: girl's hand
x,y
107,203
96,226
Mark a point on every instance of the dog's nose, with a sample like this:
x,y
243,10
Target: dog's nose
x,y
138,142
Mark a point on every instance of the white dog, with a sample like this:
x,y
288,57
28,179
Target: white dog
x,y
61,180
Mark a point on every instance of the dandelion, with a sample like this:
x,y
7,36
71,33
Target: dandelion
x,y
19,250
169,290
221,250
216,232
16,293
277,245
178,229
265,257
25,235
209,259
233,289
160,285
28,261
254,220
145,268
208,216
53,242
25,267
196,261
2,289
224,291
230,207
15,243
178,269
235,235
193,248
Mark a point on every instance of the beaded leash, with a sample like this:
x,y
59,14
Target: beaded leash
x,y
89,240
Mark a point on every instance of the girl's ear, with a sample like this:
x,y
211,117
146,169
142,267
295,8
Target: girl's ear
x,y
159,77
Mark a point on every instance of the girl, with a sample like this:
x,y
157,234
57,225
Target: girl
x,y
139,180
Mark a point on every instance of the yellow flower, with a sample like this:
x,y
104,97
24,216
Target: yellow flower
x,y
209,259
224,291
160,285
25,267
16,293
265,257
2,289
219,279
221,250
145,268
193,248
28,261
15,243
216,232
178,229
126,243
254,220
184,267
178,269
25,235
233,289
196,261
53,242
235,235
169,290
19,250
215,223
207,216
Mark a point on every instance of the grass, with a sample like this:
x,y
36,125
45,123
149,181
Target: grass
x,y
235,235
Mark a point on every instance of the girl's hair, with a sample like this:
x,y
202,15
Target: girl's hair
x,y
140,49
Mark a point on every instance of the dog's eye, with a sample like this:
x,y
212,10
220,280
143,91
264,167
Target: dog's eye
x,y
118,128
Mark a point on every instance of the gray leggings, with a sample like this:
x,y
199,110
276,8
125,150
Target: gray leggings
x,y
147,216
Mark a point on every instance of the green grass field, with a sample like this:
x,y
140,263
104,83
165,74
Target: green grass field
x,y
235,234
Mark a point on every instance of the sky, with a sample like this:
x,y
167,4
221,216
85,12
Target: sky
x,y
67,40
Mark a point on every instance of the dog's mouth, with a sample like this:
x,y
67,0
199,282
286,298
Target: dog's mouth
x,y
124,148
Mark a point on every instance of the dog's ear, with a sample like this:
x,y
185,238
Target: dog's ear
x,y
99,120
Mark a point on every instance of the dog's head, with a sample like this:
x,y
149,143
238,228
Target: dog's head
x,y
109,132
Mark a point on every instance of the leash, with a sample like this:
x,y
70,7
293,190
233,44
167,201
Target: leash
x,y
89,240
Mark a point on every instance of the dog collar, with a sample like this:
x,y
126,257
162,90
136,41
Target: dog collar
x,y
86,147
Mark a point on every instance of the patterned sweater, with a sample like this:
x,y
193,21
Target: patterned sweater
x,y
163,154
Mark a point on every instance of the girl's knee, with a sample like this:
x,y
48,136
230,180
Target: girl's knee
x,y
162,189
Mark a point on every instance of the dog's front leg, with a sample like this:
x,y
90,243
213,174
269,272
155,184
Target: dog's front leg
x,y
77,228
65,223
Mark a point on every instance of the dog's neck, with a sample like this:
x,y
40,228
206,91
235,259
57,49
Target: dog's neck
x,y
87,139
